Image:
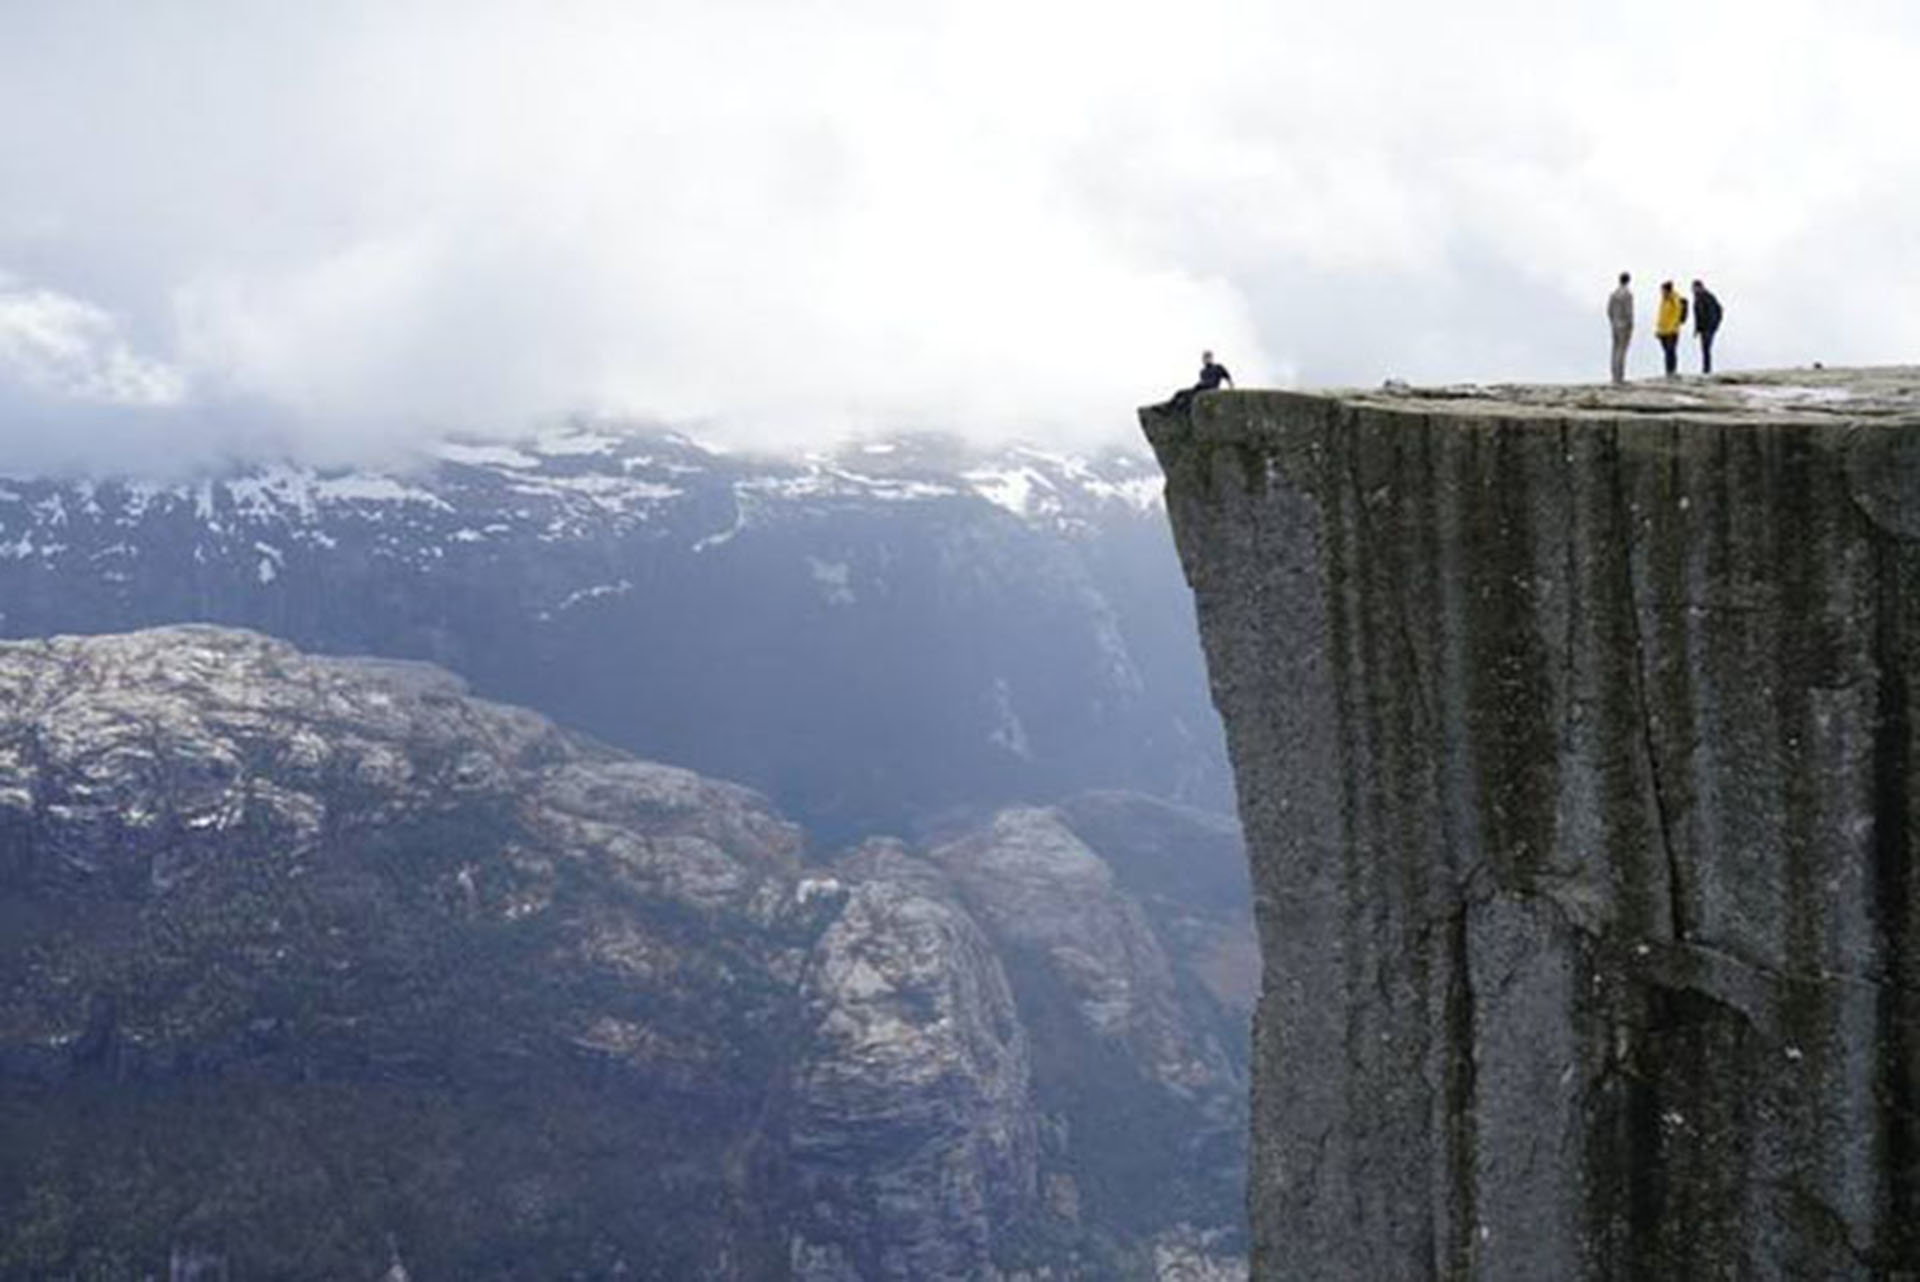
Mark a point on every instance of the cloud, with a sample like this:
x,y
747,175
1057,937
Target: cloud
x,y
339,228
68,350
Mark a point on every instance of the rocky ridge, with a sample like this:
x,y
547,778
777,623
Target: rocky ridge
x,y
318,966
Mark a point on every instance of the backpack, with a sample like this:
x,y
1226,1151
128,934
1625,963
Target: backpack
x,y
1683,311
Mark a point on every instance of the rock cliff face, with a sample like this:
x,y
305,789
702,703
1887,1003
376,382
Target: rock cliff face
x,y
320,968
1574,732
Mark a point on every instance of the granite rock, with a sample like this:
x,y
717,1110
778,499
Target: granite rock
x,y
1574,731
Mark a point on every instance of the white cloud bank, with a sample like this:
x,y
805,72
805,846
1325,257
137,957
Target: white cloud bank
x,y
235,226
63,348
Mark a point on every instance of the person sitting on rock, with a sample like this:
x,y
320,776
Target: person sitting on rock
x,y
1212,375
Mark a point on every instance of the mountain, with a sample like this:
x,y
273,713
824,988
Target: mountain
x,y
874,637
322,967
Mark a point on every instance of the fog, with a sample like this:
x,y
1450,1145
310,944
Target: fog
x,y
336,230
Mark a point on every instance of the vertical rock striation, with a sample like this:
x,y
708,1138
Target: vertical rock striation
x,y
1574,734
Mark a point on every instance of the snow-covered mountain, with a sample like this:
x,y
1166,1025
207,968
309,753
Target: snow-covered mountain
x,y
878,637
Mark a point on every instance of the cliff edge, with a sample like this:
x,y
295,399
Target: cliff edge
x,y
1574,732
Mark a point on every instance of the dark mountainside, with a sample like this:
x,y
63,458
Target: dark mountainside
x,y
311,966
874,639
1574,732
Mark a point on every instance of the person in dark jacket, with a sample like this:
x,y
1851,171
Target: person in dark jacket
x,y
1212,375
1706,323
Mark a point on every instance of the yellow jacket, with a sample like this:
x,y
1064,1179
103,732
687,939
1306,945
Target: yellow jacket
x,y
1668,322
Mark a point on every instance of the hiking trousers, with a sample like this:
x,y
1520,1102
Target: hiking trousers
x,y
1622,334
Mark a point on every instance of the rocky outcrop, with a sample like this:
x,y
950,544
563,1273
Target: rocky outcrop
x,y
321,968
304,957
1132,1053
1096,1079
913,1130
1574,732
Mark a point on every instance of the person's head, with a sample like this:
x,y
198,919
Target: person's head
x,y
1206,358
1625,277
1697,287
1666,287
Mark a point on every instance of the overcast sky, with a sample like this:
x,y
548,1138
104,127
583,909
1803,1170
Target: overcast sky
x,y
260,226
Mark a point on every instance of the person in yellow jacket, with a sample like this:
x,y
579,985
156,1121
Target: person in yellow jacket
x,y
1666,325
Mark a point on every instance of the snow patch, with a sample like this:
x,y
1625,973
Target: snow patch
x,y
368,487
486,455
833,577
274,492
1021,491
820,481
140,496
639,462
723,536
573,440
610,493
271,560
51,510
598,590
1008,732
1143,494
714,448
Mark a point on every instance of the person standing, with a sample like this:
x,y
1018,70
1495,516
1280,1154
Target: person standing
x,y
1666,326
1706,323
1620,318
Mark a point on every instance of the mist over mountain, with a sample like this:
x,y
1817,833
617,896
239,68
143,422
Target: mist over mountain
x,y
876,637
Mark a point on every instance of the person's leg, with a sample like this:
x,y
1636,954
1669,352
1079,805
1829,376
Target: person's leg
x,y
1620,337
1670,352
1706,351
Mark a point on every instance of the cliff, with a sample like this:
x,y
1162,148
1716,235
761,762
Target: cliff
x,y
1574,737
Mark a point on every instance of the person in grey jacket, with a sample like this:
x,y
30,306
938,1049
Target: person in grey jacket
x,y
1620,317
